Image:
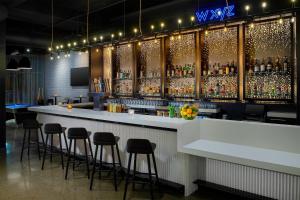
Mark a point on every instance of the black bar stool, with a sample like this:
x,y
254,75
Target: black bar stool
x,y
78,134
106,139
29,125
140,146
53,129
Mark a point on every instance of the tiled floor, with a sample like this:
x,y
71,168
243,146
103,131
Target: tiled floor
x,y
25,180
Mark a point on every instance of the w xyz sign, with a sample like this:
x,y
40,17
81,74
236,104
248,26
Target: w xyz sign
x,y
218,14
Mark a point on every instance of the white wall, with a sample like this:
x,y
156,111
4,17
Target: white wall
x,y
58,76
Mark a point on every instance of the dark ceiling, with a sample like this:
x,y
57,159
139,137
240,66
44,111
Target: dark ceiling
x,y
29,21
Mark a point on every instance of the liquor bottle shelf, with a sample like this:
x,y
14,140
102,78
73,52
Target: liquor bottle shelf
x,y
220,75
272,73
122,79
148,78
180,77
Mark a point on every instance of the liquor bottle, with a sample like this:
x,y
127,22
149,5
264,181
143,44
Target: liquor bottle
x,y
217,90
269,65
168,70
277,65
204,72
141,74
227,69
218,66
278,91
263,66
193,69
222,91
232,67
209,70
248,66
185,70
255,90
285,64
256,66
172,71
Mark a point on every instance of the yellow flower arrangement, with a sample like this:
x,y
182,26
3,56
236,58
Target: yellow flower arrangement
x,y
189,112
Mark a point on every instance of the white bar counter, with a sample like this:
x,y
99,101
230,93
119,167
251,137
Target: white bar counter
x,y
172,165
235,154
135,119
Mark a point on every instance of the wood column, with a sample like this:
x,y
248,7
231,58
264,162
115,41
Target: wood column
x,y
241,60
163,66
96,63
198,64
2,84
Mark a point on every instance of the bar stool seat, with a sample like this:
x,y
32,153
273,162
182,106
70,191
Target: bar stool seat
x,y
78,134
106,139
54,129
140,146
28,126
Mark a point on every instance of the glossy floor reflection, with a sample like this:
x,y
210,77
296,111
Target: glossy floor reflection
x,y
26,181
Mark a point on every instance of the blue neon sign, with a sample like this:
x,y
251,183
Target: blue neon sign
x,y
218,14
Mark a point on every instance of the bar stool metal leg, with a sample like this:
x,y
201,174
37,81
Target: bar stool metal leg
x,y
94,168
68,162
42,136
127,176
51,147
45,150
119,157
100,166
90,146
61,152
114,167
28,150
37,143
66,143
74,154
155,168
150,176
134,171
86,159
23,145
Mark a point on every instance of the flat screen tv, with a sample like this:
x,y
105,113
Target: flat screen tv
x,y
80,76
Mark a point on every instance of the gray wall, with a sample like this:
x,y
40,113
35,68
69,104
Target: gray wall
x,y
58,76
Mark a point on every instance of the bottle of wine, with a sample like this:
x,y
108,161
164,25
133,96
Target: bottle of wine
x,y
232,67
285,64
204,72
227,69
263,66
269,65
277,65
256,66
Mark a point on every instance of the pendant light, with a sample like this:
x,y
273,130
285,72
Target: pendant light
x,y
24,63
12,65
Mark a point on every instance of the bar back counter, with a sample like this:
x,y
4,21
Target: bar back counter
x,y
236,154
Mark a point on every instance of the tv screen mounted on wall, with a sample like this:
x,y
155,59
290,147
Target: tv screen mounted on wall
x,y
80,76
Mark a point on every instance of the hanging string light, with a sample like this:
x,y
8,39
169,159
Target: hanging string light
x,y
140,18
124,17
87,21
85,41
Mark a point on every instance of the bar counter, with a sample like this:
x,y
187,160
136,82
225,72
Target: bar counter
x,y
204,149
122,118
172,165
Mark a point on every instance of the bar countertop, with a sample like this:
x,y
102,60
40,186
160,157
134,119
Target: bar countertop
x,y
135,119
